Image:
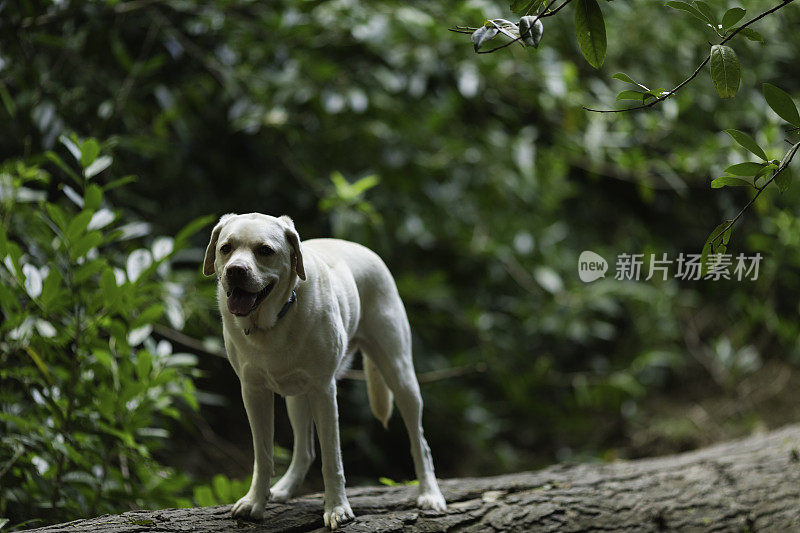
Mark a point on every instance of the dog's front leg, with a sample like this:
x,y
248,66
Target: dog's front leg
x,y
326,418
259,403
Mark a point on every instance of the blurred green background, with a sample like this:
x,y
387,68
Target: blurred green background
x,y
478,178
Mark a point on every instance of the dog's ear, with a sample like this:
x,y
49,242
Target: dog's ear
x,y
211,250
294,241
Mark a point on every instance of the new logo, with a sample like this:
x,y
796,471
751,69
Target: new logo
x,y
591,266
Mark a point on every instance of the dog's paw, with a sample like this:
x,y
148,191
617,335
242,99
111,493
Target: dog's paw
x,y
280,494
432,500
283,490
338,515
249,507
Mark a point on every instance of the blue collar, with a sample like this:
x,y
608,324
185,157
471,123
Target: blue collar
x,y
287,305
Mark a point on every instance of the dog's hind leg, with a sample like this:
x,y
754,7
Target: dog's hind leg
x,y
397,369
302,449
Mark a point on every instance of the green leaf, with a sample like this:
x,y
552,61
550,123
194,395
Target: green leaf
x,y
780,102
78,225
590,29
191,228
89,269
148,316
90,149
783,179
99,165
365,183
482,35
71,146
707,12
523,7
731,17
725,70
752,34
222,489
715,243
103,357
144,364
52,156
120,182
789,155
747,142
204,497
13,255
84,244
687,7
654,94
92,197
505,26
745,169
40,364
727,181
108,286
124,436
631,95
621,76
764,171
240,486
50,287
102,218
57,215
531,30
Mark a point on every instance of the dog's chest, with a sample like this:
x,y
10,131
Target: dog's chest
x,y
280,372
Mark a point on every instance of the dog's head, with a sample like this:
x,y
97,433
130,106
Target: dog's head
x,y
253,255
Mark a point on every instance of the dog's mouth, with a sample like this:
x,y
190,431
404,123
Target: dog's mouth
x,y
242,302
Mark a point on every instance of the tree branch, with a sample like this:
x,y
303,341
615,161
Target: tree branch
x,y
697,70
788,159
542,14
553,12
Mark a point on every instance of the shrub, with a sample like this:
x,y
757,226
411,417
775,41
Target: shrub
x,y
87,393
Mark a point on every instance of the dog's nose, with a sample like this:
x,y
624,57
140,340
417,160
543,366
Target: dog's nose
x,y
236,274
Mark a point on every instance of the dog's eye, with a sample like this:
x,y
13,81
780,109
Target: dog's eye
x,y
225,248
264,250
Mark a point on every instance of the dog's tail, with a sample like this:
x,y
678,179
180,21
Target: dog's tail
x,y
380,397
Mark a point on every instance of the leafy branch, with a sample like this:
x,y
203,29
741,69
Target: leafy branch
x,y
725,74
528,31
781,171
736,175
590,32
469,30
725,69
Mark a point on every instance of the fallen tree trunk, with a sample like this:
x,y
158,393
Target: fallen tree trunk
x,y
751,484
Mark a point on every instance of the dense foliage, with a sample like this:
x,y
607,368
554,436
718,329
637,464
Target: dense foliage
x,y
85,386
479,178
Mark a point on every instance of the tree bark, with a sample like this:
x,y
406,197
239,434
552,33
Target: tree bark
x,y
751,484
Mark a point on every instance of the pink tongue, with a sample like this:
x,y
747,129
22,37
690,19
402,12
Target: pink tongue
x,y
241,302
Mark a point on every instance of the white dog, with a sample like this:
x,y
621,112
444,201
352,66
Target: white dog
x,y
292,316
